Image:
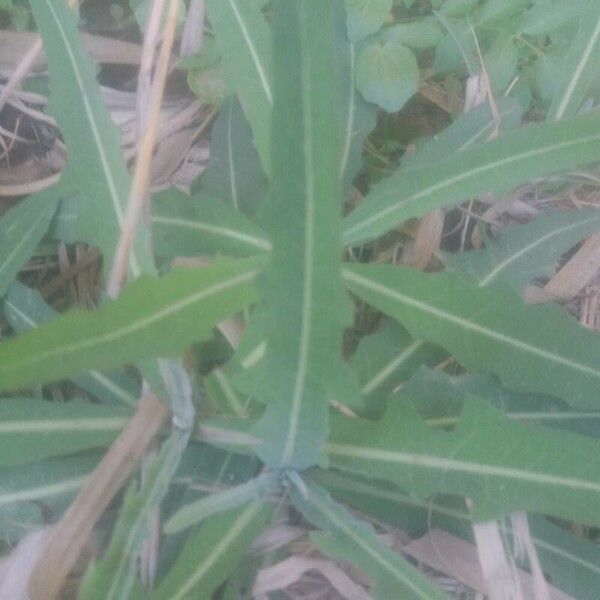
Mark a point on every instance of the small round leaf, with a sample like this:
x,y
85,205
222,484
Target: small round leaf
x,y
387,74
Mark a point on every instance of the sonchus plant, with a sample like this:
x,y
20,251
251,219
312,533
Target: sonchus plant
x,y
291,422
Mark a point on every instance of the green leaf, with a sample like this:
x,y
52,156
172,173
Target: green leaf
x,y
580,66
32,430
501,62
235,173
522,253
458,8
366,16
305,309
187,226
200,510
466,130
385,359
153,317
421,34
499,11
546,16
500,464
21,229
113,577
531,348
496,166
359,117
45,481
439,398
348,539
96,167
244,39
211,554
387,74
25,309
570,562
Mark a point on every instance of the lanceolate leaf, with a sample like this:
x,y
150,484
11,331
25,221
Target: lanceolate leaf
x,y
211,554
113,577
153,317
235,173
580,66
244,38
571,563
496,166
218,502
187,226
439,398
21,229
48,481
31,430
500,464
25,309
346,538
468,129
96,167
305,308
520,254
531,349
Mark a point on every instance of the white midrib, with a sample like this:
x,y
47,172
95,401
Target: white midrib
x,y
472,173
449,464
260,243
359,541
135,325
350,120
253,53
54,425
484,331
112,187
24,238
44,491
513,257
585,57
307,268
390,367
232,185
218,550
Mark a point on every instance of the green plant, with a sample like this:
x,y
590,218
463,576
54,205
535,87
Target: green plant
x,y
279,423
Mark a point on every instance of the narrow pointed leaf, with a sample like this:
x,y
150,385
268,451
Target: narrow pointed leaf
x,y
25,309
218,502
21,229
96,166
346,538
572,563
522,253
496,166
235,173
439,399
32,430
50,482
153,317
580,66
244,38
188,226
468,129
500,464
304,304
531,348
113,577
210,555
